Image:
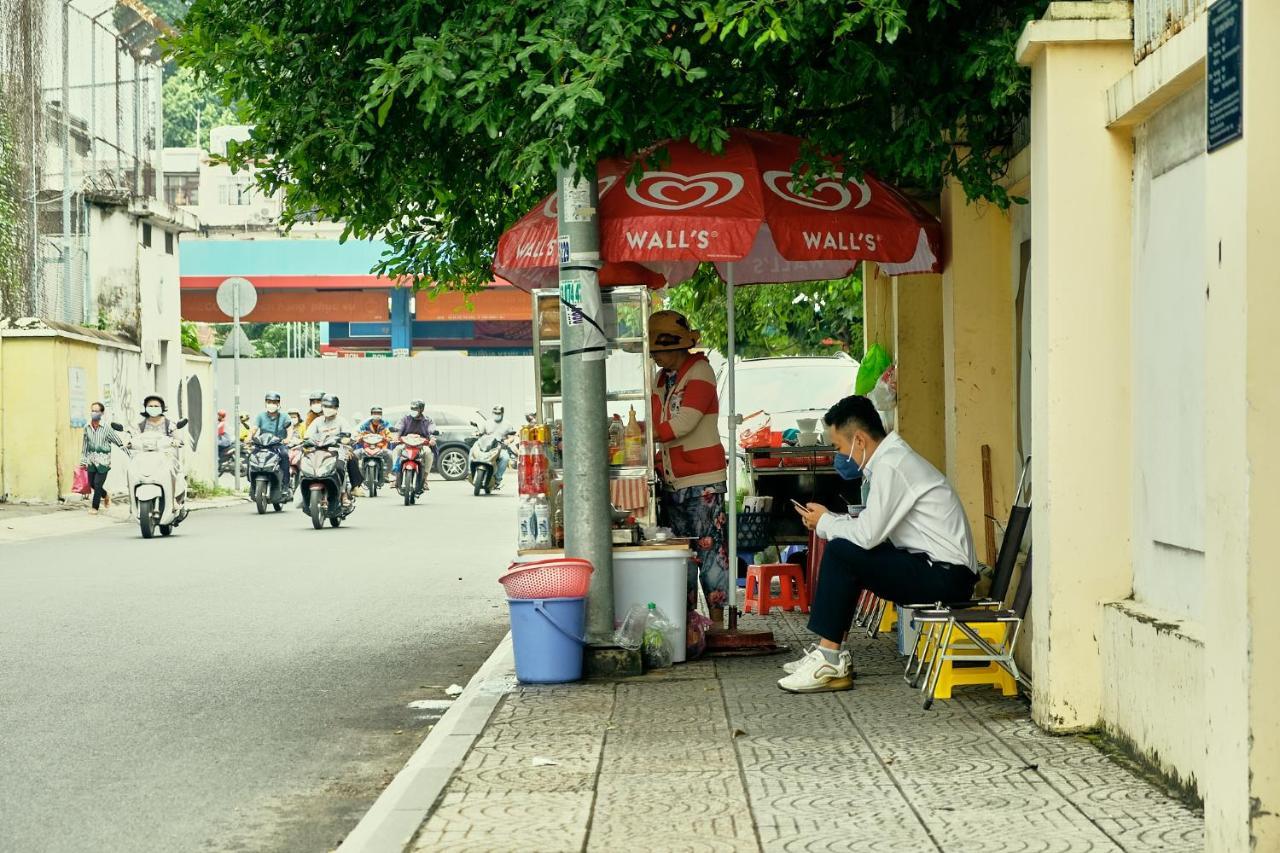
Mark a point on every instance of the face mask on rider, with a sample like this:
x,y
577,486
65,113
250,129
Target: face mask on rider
x,y
317,408
272,408
330,411
154,411
95,416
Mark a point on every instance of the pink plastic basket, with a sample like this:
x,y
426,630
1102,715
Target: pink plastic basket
x,y
561,577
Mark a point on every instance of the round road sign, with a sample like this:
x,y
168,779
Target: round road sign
x,y
234,288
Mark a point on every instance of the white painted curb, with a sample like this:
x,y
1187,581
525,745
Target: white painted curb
x,y
405,804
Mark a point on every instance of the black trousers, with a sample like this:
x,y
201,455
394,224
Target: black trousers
x,y
98,482
354,474
892,574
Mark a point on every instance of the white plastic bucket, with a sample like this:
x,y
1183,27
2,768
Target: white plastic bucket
x,y
660,576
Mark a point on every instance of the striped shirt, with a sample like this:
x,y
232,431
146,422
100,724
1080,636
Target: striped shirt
x,y
95,452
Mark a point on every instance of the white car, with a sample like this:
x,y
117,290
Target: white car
x,y
789,388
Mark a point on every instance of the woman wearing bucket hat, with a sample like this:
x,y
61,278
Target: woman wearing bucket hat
x,y
691,460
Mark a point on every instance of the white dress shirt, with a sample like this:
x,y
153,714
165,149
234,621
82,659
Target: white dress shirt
x,y
911,506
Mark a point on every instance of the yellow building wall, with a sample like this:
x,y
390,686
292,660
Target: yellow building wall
x,y
904,315
918,354
39,463
979,357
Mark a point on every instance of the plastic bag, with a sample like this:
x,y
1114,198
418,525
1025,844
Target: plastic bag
x,y
873,364
695,634
884,396
631,632
658,646
80,482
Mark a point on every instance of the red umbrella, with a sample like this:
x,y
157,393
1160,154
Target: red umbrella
x,y
741,211
738,207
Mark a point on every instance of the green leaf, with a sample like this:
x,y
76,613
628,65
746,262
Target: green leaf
x,y
384,109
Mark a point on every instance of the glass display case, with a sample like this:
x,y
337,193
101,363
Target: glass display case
x,y
628,382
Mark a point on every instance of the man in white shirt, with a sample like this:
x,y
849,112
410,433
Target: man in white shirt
x,y
911,543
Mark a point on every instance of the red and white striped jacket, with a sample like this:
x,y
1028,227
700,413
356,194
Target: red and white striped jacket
x,y
684,424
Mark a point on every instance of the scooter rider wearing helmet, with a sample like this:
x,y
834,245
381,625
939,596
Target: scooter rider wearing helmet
x,y
494,428
276,423
328,425
154,420
153,415
377,425
315,408
415,423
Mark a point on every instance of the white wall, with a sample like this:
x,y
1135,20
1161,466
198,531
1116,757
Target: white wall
x,y
1153,651
440,378
1169,359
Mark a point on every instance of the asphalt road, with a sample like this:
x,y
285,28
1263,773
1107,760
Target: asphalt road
x,y
242,685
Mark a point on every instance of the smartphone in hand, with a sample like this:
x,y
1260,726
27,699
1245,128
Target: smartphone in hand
x,y
795,503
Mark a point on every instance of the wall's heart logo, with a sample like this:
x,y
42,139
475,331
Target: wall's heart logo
x,y
829,194
673,191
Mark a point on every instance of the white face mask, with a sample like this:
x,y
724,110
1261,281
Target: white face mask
x,y
329,411
154,411
317,408
272,408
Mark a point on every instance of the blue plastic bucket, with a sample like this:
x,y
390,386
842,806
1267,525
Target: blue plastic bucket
x,y
547,637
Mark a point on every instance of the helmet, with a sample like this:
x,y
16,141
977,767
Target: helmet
x,y
273,397
147,399
244,416
222,413
376,410
330,400
417,404
498,411
316,395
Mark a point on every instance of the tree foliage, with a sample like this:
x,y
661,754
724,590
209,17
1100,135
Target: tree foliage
x,y
777,319
184,99
437,123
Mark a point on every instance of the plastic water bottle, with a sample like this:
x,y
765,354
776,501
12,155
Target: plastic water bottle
x,y
542,521
528,536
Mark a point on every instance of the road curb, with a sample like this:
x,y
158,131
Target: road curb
x,y
61,522
404,805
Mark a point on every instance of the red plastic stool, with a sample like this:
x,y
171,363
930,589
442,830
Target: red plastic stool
x,y
759,597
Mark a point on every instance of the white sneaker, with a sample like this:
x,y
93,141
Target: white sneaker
x,y
816,675
791,666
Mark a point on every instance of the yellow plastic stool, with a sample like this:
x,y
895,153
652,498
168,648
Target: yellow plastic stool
x,y
888,619
991,674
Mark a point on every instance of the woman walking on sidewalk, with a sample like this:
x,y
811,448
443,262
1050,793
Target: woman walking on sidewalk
x,y
95,455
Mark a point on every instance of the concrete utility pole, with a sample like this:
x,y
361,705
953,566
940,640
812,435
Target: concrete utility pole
x,y
582,355
67,316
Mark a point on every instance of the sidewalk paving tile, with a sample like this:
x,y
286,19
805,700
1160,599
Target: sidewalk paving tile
x,y
712,756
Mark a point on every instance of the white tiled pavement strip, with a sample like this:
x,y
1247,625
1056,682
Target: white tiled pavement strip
x,y
713,757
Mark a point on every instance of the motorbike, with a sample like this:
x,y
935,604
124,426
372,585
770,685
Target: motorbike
x,y
415,462
373,445
266,480
322,481
483,461
157,483
227,459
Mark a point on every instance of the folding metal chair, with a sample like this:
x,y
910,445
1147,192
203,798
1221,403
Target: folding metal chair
x,y
984,635
1002,574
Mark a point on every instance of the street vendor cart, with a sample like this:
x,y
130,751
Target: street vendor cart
x,y
644,570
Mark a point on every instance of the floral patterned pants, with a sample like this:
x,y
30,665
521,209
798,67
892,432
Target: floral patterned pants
x,y
698,513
